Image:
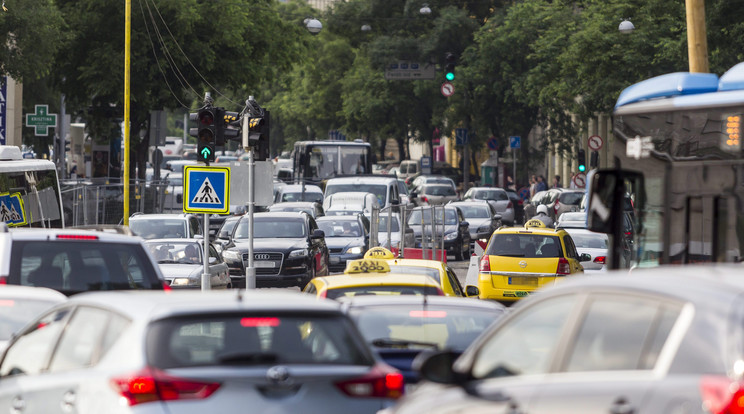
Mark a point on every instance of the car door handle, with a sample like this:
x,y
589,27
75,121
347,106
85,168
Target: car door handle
x,y
68,401
621,406
17,405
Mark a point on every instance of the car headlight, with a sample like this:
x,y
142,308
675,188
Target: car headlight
x,y
450,236
355,250
181,281
297,253
218,247
231,255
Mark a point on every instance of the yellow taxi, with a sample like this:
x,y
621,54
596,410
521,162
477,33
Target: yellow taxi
x,y
371,277
520,260
439,271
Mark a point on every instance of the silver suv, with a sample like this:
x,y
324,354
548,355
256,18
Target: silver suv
x,y
166,226
73,261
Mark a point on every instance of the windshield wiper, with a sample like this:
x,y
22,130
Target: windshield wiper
x,y
238,357
167,261
401,343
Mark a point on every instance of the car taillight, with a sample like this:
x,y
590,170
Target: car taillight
x,y
563,267
151,384
600,259
3,280
166,286
424,199
485,264
76,237
509,205
383,381
556,207
721,396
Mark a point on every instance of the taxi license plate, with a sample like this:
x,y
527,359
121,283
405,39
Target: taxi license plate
x,y
263,263
523,280
335,259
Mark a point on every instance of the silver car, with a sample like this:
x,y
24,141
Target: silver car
x,y
435,194
182,263
194,352
481,216
497,197
592,243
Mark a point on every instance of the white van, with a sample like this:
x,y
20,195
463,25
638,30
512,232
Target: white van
x,y
408,168
385,188
341,204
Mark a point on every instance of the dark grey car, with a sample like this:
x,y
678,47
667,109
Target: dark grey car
x,y
662,340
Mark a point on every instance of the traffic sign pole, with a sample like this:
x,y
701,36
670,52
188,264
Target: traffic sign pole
x,y
206,282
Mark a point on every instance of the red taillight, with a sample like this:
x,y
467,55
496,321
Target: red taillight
x,y
563,267
3,280
254,322
76,237
166,286
153,385
485,264
323,294
721,396
600,259
424,199
509,205
382,381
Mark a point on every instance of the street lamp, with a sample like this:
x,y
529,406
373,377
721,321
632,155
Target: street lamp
x,y
626,26
425,9
313,25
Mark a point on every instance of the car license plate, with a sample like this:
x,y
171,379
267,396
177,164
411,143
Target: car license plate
x,y
523,280
335,259
263,263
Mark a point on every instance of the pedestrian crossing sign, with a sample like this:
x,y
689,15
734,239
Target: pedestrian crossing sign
x,y
11,209
206,190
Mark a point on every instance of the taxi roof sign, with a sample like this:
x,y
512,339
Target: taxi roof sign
x,y
534,223
379,252
367,266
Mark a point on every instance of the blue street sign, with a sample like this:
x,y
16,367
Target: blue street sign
x,y
206,190
425,165
515,142
11,209
493,144
461,136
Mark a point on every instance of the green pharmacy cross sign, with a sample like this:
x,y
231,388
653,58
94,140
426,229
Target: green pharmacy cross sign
x,y
41,120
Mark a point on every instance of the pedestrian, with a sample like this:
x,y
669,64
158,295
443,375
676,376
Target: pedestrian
x,y
533,186
557,181
541,186
510,183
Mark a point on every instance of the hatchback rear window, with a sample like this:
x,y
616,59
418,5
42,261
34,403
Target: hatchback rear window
x,y
243,339
571,198
525,245
383,290
79,266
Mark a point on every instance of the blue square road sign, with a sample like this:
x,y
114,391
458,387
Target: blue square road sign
x,y
515,142
206,190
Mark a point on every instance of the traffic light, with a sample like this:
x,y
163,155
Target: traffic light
x,y
206,134
594,159
258,135
229,127
449,66
582,160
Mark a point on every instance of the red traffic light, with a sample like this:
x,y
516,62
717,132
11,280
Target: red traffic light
x,y
206,117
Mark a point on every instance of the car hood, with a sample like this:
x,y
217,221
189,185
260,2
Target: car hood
x,y
344,242
171,271
271,244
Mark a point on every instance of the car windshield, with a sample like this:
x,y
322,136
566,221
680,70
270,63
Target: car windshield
x,y
379,190
394,224
450,217
590,241
573,198
383,290
446,327
148,228
416,270
299,196
248,339
183,253
340,228
475,211
441,190
490,195
525,245
274,227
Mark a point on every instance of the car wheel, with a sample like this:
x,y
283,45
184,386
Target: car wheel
x,y
311,276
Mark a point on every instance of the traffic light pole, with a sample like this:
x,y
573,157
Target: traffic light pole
x,y
206,281
250,271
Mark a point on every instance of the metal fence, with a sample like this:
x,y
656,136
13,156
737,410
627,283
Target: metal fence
x,y
86,203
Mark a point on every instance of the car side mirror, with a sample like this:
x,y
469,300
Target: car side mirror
x,y
585,257
472,291
607,191
212,260
409,230
317,234
464,224
497,216
436,366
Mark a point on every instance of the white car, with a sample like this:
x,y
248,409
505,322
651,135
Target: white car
x,y
592,243
195,352
182,263
298,192
20,304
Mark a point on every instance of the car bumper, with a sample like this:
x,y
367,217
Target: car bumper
x,y
337,262
512,287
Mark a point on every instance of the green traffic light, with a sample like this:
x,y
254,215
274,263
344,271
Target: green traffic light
x,y
205,152
582,168
450,76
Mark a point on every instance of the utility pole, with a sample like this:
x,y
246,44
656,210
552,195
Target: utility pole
x,y
697,43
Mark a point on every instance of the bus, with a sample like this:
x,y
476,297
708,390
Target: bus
x,y
29,191
679,171
314,162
